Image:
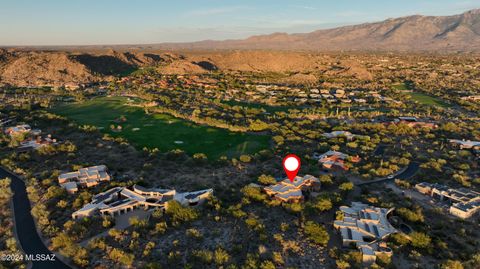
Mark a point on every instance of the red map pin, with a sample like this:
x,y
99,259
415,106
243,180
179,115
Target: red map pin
x,y
291,165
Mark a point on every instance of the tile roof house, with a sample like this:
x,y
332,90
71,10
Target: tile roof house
x,y
84,177
365,227
335,159
120,200
465,202
291,191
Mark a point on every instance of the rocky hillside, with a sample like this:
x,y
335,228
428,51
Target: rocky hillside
x,y
83,65
54,68
47,68
38,69
413,33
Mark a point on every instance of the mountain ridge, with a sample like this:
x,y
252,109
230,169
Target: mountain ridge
x,y
459,32
277,52
414,33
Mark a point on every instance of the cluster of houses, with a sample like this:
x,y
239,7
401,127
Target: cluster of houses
x,y
335,96
292,191
115,201
120,200
335,160
365,227
84,177
274,92
166,81
362,226
33,139
464,203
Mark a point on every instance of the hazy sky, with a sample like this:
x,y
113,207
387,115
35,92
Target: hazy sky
x,y
76,22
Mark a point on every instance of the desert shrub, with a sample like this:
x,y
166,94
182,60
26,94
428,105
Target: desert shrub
x,y
346,186
266,180
410,215
245,158
323,204
179,214
316,233
254,193
420,240
221,256
121,256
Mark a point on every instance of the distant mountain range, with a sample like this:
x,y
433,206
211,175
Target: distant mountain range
x,y
74,65
413,33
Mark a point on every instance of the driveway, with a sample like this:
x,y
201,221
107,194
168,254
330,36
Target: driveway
x,y
122,222
25,226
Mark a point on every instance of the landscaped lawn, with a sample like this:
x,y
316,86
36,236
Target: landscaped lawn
x,y
400,87
427,99
421,97
160,130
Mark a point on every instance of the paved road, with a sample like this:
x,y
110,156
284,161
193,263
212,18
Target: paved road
x,y
410,171
380,150
25,227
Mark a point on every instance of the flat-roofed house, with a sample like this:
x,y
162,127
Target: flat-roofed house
x,y
34,144
423,188
70,187
192,198
120,200
84,177
464,202
466,144
465,210
292,191
365,227
413,122
336,134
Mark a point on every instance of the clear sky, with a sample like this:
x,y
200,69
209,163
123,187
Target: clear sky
x,y
83,22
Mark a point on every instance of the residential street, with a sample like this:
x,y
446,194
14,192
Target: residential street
x,y
403,173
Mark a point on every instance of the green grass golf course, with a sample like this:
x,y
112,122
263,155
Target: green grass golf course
x,y
160,130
